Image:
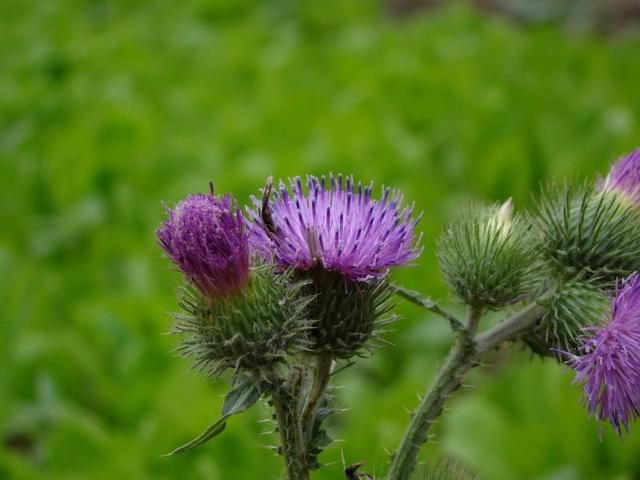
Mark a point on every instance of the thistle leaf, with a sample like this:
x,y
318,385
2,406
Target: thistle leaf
x,y
245,393
213,430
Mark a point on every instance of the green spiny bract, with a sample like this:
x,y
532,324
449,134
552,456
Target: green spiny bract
x,y
488,258
345,314
588,232
574,305
252,332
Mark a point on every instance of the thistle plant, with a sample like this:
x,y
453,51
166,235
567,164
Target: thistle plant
x,y
281,295
342,242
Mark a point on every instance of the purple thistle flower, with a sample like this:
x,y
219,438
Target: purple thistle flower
x,y
337,226
608,363
205,237
624,177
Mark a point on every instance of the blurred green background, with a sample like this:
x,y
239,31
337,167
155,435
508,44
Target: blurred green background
x,y
108,108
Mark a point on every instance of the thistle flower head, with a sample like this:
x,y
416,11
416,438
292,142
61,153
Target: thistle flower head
x,y
624,177
204,236
608,363
336,225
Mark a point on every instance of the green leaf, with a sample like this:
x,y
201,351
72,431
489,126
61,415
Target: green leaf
x,y
241,397
212,431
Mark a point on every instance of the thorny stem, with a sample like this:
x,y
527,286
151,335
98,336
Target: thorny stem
x,y
285,404
465,353
322,373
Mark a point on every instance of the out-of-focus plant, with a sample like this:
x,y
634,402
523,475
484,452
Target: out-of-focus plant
x,y
279,296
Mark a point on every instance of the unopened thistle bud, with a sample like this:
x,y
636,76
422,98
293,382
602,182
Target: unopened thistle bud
x,y
589,233
487,257
342,240
608,362
624,178
204,236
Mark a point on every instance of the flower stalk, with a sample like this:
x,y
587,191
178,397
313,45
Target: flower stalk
x,y
466,352
285,404
322,374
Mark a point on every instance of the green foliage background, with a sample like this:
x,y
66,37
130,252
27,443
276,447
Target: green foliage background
x,y
108,108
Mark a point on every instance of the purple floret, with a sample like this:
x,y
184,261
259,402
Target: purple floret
x,y
608,363
624,176
335,225
205,237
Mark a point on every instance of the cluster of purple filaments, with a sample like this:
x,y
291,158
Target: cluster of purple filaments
x,y
336,225
624,176
205,237
608,363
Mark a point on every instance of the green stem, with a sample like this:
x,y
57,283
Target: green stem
x,y
417,299
474,314
465,353
285,404
322,374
